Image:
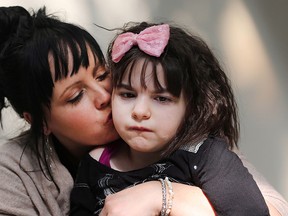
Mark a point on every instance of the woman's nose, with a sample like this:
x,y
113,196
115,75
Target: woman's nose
x,y
102,98
141,110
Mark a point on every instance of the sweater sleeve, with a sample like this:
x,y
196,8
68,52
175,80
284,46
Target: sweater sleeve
x,y
14,198
269,193
24,189
227,184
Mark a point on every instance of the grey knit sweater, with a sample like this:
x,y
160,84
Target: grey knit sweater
x,y
25,190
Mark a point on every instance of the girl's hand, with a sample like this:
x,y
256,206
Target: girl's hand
x,y
146,199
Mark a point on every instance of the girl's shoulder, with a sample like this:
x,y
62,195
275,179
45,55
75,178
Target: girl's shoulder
x,y
97,152
106,150
215,142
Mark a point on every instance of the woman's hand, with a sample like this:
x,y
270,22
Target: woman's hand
x,y
190,200
146,199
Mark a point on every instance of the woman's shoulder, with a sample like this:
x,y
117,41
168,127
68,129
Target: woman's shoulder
x,y
30,192
12,147
17,154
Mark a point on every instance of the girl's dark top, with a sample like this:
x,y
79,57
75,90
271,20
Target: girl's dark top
x,y
218,171
65,157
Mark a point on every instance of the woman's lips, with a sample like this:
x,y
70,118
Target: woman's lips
x,y
109,119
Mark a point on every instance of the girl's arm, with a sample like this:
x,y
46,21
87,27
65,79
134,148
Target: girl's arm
x,y
277,205
228,185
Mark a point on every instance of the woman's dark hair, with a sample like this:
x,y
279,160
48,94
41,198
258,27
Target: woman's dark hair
x,y
27,44
190,67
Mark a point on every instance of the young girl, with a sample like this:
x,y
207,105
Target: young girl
x,y
173,106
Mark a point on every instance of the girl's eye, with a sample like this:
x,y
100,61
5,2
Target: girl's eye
x,y
162,99
127,95
103,76
77,98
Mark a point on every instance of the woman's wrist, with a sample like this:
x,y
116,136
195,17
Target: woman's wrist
x,y
167,196
155,197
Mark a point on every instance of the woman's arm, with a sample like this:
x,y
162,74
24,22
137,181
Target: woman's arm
x,y
145,199
198,204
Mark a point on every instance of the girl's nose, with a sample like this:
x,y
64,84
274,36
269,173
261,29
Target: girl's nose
x,y
141,110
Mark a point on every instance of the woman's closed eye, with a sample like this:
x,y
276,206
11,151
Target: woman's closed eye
x,y
76,98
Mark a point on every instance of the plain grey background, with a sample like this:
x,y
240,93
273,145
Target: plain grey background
x,y
249,37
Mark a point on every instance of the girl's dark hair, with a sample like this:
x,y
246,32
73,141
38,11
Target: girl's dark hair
x,y
190,67
26,42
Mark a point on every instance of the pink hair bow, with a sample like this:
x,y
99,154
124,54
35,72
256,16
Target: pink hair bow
x,y
152,41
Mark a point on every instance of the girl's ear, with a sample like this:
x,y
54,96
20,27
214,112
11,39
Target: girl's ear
x,y
27,116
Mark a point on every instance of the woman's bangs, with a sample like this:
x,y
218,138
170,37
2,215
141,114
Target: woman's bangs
x,y
68,56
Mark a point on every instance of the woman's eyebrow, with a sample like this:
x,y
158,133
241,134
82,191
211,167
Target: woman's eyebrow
x,y
69,87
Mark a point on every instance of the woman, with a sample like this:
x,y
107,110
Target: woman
x,y
54,76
